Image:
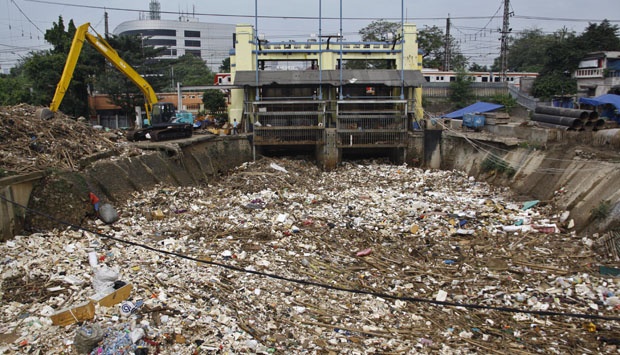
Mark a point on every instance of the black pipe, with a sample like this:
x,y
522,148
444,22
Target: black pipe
x,y
560,111
593,116
573,122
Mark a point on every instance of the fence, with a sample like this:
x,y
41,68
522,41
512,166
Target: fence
x,y
479,90
288,135
375,123
294,122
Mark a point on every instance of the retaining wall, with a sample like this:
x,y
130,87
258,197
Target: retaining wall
x,y
562,172
64,195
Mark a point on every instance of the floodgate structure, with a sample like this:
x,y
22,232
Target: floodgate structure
x,y
308,96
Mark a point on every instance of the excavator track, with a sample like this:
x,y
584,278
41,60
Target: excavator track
x,y
161,133
171,132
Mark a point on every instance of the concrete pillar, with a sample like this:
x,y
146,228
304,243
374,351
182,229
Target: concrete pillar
x,y
242,59
328,155
432,148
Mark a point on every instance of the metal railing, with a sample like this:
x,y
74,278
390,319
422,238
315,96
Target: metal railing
x,y
524,100
284,119
478,89
371,139
589,73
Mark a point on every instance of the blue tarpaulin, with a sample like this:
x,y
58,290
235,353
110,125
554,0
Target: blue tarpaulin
x,y
613,64
478,107
602,100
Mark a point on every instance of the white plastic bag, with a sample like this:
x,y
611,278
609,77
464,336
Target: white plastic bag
x,y
104,279
107,213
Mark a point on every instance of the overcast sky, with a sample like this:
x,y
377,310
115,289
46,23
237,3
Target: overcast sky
x,y
475,23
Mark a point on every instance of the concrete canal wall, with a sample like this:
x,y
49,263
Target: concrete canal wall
x,y
537,166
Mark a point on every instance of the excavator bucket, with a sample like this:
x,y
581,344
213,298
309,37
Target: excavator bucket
x,y
44,114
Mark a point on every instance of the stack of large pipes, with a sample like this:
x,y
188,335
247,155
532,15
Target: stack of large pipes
x,y
568,119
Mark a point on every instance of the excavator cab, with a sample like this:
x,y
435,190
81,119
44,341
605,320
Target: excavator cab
x,y
163,112
163,125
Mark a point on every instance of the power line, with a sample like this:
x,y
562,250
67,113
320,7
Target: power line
x,y
562,19
313,283
490,19
313,17
252,16
26,16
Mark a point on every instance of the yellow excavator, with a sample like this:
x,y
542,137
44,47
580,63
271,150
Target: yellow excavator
x,y
161,119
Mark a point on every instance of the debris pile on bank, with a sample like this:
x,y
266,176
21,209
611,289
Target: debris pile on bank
x,y
29,144
281,258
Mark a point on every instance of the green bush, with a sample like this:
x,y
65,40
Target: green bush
x,y
498,165
601,211
461,93
502,99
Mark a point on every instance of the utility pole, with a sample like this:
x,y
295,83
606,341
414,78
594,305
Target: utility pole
x,y
105,16
447,47
504,48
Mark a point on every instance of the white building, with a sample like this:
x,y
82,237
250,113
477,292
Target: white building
x,y
598,74
210,41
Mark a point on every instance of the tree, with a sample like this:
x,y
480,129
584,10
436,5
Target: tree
x,y
431,40
555,56
60,38
14,88
504,99
478,68
192,70
527,50
376,31
563,53
461,93
120,89
566,51
379,30
225,67
603,37
552,84
214,101
458,61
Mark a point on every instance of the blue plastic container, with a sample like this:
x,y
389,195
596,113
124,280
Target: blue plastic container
x,y
474,121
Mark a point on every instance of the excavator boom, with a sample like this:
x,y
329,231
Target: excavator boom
x,y
103,47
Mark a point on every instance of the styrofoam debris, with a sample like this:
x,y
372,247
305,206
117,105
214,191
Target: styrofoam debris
x,y
309,227
441,296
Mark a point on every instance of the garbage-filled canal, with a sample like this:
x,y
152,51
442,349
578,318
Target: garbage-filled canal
x,y
279,257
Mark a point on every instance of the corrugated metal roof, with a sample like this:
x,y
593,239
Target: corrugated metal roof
x,y
478,107
385,77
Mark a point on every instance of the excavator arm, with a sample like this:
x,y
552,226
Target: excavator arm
x,y
103,47
162,123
